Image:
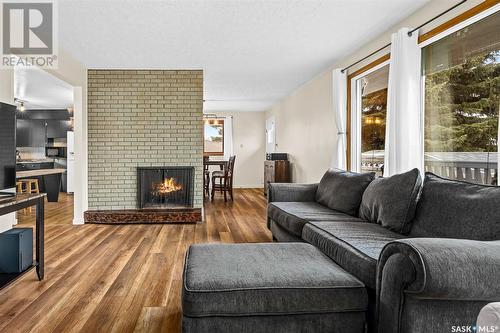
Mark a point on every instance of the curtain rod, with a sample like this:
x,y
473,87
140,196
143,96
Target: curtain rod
x,y
409,34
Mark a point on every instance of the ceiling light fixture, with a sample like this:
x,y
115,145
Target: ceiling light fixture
x,y
20,104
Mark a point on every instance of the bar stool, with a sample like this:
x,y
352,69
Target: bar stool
x,y
19,187
30,186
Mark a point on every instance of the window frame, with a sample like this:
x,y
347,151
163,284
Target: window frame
x,y
353,113
221,122
444,29
462,21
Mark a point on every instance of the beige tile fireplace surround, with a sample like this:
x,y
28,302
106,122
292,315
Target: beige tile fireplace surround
x,y
141,118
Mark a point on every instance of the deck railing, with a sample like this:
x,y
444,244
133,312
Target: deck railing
x,y
473,167
474,172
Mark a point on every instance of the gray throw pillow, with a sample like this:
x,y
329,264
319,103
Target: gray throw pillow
x,y
343,190
457,209
391,201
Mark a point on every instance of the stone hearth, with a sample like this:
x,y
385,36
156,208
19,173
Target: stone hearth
x,y
144,216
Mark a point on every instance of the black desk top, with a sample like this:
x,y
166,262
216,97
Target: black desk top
x,y
19,198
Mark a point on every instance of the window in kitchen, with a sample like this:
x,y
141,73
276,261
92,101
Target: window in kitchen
x,y
214,136
461,76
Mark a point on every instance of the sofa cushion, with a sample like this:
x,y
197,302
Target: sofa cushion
x,y
294,215
456,209
354,246
343,190
281,234
391,201
266,279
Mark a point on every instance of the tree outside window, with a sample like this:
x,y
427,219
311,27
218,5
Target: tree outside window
x,y
462,98
214,137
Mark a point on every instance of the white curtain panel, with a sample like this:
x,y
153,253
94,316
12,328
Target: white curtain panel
x,y
228,136
404,130
498,152
340,113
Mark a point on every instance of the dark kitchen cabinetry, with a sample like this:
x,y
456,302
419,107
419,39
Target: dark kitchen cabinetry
x,y
57,128
30,133
34,166
36,132
36,127
23,133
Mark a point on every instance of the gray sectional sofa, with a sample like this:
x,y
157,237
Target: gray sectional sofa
x,y
427,251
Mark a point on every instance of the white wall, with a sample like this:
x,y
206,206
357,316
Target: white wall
x,y
249,147
7,86
305,126
74,73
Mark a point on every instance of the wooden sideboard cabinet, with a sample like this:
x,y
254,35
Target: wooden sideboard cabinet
x,y
276,172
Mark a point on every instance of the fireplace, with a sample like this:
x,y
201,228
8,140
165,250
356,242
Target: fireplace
x,y
164,195
165,187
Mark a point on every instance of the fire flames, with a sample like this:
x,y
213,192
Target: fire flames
x,y
169,185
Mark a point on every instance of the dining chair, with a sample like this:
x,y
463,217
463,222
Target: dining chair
x,y
206,177
223,180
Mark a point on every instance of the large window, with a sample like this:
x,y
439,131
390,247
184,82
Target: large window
x,y
370,118
461,74
214,137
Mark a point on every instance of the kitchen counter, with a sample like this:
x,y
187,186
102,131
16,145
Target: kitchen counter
x,y
40,172
44,160
50,180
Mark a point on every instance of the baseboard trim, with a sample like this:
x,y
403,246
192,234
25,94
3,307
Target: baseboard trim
x,y
78,221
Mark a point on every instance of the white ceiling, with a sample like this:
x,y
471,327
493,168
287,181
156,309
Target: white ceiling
x,y
41,90
253,53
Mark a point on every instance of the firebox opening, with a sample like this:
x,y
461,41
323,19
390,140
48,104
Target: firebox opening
x,y
165,187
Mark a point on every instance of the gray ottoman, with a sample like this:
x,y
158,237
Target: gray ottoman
x,y
271,287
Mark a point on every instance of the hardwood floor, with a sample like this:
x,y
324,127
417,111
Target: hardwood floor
x,y
125,278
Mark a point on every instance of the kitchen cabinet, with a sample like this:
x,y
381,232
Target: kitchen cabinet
x,y
36,127
23,133
36,132
34,166
30,133
57,128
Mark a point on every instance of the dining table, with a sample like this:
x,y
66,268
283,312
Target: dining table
x,y
220,161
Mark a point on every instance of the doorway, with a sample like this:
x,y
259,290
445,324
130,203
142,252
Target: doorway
x,y
45,140
271,135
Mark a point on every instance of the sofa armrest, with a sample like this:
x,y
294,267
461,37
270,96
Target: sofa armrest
x,y
435,268
286,192
446,268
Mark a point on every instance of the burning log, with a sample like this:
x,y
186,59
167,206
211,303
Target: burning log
x,y
169,185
